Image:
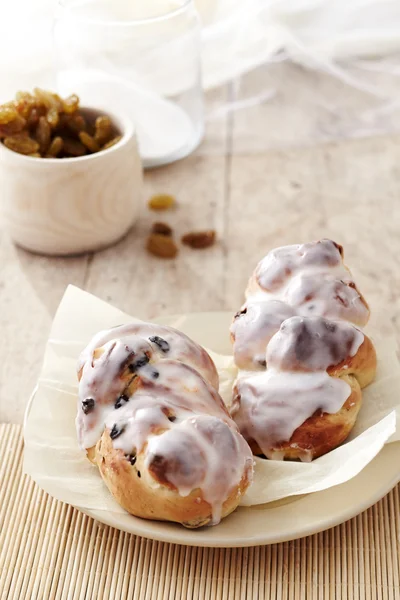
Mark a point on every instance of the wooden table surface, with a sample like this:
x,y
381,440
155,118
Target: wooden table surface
x,y
256,200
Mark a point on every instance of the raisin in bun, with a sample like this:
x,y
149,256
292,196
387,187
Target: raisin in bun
x,y
151,419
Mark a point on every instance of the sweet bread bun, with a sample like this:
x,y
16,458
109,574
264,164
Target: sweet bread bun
x,y
297,329
151,419
307,401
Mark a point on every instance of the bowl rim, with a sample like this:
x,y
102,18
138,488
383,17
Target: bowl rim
x,y
122,122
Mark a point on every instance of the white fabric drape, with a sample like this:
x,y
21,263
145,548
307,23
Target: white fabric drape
x,y
356,41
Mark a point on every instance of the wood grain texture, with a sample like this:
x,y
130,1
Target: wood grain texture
x,y
30,289
304,108
49,550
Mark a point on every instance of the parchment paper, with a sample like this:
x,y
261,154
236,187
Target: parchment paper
x,y
54,461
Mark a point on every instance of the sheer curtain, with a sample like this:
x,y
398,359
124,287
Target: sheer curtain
x,y
356,42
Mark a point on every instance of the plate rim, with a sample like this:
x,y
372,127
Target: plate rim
x,y
263,539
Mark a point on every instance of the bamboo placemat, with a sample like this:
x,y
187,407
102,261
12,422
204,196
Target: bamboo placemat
x,y
50,550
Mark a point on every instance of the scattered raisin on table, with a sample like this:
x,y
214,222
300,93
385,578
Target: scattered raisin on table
x,y
162,246
161,228
162,202
199,239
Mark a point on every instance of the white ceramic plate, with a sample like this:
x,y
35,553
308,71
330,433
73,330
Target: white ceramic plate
x,y
279,521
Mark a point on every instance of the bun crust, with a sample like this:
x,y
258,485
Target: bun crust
x,y
320,433
149,496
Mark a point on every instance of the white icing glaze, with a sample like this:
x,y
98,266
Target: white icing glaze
x,y
312,344
102,380
270,406
323,294
153,403
202,452
178,391
309,281
282,263
253,328
310,289
181,347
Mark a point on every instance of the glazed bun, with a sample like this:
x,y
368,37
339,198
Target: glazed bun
x,y
300,329
307,401
151,419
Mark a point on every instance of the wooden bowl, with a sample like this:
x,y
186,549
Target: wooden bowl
x,y
62,206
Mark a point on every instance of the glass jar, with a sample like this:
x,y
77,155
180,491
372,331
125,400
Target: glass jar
x,y
142,58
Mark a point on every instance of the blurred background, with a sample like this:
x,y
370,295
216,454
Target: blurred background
x,y
338,59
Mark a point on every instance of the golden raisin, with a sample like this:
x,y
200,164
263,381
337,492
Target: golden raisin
x,y
161,228
103,130
70,104
13,127
24,103
7,114
199,239
21,144
32,118
55,147
43,134
112,142
161,202
73,147
48,99
53,117
22,96
88,141
75,123
162,246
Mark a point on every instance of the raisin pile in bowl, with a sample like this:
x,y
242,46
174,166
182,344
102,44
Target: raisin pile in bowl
x,y
44,125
